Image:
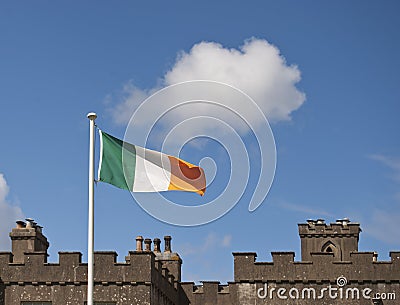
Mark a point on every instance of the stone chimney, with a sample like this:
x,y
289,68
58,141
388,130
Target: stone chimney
x,y
157,245
147,244
27,237
167,244
169,259
139,243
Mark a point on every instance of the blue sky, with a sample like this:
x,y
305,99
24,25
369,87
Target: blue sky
x,y
338,150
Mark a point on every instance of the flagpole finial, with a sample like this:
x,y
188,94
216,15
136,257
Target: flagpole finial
x,y
92,116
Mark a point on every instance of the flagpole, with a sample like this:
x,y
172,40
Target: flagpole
x,y
91,116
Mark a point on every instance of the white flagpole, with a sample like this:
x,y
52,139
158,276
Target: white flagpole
x,y
91,116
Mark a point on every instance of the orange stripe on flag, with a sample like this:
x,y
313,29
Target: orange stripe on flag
x,y
186,177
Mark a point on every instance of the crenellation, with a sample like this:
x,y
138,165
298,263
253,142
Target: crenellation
x,y
330,258
5,258
35,258
320,228
266,263
321,258
188,286
395,257
71,269
198,289
320,270
282,257
210,291
69,259
244,258
105,258
243,264
283,262
362,258
223,288
332,228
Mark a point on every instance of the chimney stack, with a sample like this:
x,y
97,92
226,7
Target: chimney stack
x,y
27,237
139,243
21,224
169,259
147,244
167,244
29,223
157,244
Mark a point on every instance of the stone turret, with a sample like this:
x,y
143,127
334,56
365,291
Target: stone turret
x,y
338,239
27,237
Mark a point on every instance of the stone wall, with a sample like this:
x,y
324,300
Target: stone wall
x,y
139,280
362,266
331,272
321,281
327,280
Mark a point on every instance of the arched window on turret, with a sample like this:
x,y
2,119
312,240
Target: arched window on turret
x,y
330,247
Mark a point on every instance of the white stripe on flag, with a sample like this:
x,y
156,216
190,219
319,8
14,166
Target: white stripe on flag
x,y
101,155
152,171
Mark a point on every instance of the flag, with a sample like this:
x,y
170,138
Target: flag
x,y
138,169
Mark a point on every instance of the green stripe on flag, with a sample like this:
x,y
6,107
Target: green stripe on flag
x,y
112,169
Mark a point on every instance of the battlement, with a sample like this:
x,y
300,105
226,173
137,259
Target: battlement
x,y
148,275
321,267
141,274
210,292
318,228
138,268
252,278
144,272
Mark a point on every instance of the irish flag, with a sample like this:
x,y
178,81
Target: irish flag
x,y
139,169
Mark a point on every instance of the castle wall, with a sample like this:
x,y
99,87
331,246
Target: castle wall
x,y
322,281
142,280
362,266
211,293
331,272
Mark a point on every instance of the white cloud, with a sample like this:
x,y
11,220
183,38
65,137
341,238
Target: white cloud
x,y
391,162
303,209
212,242
131,97
226,241
383,225
257,68
8,214
203,255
